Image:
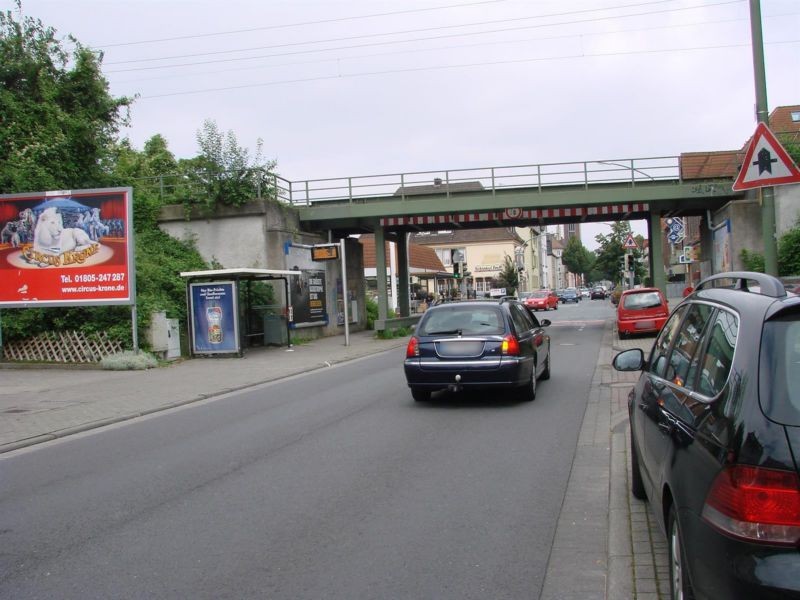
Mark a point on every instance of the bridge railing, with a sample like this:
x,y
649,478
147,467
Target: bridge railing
x,y
255,183
629,171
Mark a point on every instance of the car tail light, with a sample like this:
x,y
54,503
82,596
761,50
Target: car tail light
x,y
510,346
755,504
412,350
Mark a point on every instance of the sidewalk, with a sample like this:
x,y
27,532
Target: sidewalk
x,y
38,405
606,545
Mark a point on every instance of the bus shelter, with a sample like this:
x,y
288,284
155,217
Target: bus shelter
x,y
217,298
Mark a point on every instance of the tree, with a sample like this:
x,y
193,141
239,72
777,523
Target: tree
x,y
509,276
57,118
578,259
611,252
223,173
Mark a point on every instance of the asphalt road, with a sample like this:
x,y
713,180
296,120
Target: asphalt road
x,y
329,485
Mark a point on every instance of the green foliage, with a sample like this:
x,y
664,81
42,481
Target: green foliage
x,y
223,171
372,313
789,252
509,276
159,286
752,260
578,259
57,118
611,251
391,334
129,361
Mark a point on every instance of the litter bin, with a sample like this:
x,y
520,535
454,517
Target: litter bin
x,y
275,330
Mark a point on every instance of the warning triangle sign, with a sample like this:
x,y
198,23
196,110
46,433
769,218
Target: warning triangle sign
x,y
630,242
765,163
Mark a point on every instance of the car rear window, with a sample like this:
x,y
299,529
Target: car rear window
x,y
779,383
541,294
642,301
464,319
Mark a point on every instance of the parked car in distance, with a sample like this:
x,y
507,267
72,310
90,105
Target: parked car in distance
x,y
715,438
496,346
542,300
598,293
584,292
570,295
642,310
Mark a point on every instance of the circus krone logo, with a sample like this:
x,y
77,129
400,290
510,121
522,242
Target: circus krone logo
x,y
64,233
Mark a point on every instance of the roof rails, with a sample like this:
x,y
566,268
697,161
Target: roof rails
x,y
767,284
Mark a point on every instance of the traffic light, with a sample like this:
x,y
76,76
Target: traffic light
x,y
457,270
629,263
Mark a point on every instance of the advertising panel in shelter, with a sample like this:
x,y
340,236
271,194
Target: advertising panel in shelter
x,y
308,293
67,248
214,315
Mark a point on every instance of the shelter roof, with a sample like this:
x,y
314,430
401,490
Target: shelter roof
x,y
243,273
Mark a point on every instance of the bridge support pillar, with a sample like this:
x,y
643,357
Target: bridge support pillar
x,y
380,272
654,234
403,291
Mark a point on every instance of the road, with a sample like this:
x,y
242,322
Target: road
x,y
329,485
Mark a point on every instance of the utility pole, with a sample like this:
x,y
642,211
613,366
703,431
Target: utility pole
x,y
762,114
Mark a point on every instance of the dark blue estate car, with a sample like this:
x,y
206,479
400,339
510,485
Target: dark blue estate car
x,y
570,295
715,438
478,345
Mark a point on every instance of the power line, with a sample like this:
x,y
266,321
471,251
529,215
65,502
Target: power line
x,y
300,24
452,47
418,30
428,38
456,66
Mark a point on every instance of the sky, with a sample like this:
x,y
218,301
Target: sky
x,y
337,88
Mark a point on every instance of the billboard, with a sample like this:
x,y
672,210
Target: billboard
x,y
214,317
307,292
67,248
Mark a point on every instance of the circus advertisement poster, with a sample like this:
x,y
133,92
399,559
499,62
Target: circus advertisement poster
x,y
67,248
215,327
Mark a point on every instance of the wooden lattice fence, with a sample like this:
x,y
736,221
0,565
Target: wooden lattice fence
x,y
62,347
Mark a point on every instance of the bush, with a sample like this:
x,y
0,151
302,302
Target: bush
x,y
752,261
372,313
789,253
129,361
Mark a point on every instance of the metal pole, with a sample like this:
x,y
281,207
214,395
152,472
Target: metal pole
x,y
344,296
762,114
134,332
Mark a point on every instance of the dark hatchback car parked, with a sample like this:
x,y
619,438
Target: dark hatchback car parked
x,y
478,345
715,438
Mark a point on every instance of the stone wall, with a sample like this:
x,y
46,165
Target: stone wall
x,y
255,236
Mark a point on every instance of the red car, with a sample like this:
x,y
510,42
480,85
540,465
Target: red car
x,y
643,310
542,300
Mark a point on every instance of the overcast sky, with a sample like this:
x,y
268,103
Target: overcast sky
x,y
340,88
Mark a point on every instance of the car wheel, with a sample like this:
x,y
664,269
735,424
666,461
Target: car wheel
x,y
546,372
420,395
680,588
637,485
622,335
528,391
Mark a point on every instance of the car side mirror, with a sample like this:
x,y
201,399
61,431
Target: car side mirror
x,y
545,322
629,360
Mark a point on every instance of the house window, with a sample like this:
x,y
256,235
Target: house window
x,y
796,116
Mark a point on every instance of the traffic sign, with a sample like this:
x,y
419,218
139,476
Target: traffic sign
x,y
676,229
630,242
766,163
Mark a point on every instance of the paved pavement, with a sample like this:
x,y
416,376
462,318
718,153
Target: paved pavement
x,y
606,544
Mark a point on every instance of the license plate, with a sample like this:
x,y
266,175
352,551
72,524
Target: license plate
x,y
460,348
645,325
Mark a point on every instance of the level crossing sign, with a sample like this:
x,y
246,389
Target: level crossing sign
x,y
630,243
766,163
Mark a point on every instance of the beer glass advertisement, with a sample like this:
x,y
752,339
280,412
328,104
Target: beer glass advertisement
x,y
215,326
69,248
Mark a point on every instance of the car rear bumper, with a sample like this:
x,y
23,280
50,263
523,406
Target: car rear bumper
x,y
631,326
510,372
723,567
